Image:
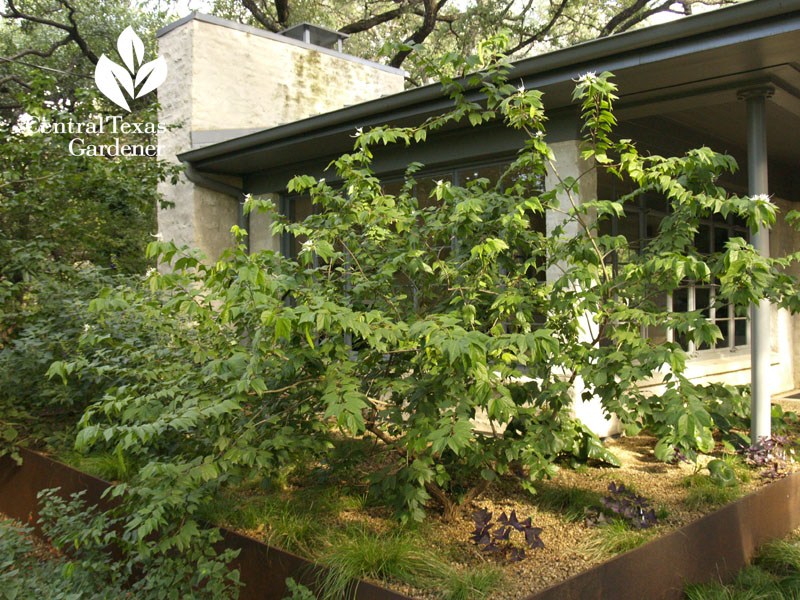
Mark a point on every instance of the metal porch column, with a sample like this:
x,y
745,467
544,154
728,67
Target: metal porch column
x,y
760,425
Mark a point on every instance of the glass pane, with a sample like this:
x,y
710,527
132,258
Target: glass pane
x,y
537,221
680,300
740,335
393,187
300,209
702,241
723,311
726,338
682,340
653,221
720,237
656,202
702,300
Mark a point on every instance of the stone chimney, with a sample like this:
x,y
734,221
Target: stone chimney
x,y
226,80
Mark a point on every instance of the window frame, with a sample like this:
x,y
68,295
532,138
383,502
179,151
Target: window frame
x,y
643,211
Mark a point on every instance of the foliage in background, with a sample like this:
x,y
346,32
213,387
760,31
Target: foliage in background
x,y
64,209
456,27
63,40
34,409
58,211
69,226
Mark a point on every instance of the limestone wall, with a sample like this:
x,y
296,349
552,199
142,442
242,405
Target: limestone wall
x,y
223,76
242,80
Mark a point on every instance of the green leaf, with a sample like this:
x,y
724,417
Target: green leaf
x,y
722,474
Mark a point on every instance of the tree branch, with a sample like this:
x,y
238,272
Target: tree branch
x,y
424,30
16,80
370,22
282,10
42,53
638,18
621,17
43,68
544,30
71,29
268,22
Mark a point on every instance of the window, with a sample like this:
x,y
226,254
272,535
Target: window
x,y
640,225
296,209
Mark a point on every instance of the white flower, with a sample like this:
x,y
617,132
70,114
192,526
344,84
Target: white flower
x,y
159,236
308,246
588,76
86,327
761,198
521,88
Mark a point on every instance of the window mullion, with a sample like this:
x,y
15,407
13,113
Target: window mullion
x,y
690,306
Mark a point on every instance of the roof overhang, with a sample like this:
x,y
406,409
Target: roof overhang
x,y
670,69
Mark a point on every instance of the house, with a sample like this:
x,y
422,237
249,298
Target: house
x,y
259,108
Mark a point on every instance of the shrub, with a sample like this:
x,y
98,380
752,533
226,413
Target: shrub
x,y
385,327
33,407
404,323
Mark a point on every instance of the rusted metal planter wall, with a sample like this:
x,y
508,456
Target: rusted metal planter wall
x,y
715,546
263,569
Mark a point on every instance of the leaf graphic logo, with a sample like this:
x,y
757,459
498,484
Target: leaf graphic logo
x,y
112,79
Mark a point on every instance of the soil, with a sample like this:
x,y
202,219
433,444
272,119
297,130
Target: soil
x,y
569,545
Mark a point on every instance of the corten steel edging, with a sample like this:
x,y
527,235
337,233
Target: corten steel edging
x,y
263,569
713,547
19,485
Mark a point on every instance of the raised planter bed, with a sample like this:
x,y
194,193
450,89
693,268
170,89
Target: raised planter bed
x,y
714,546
